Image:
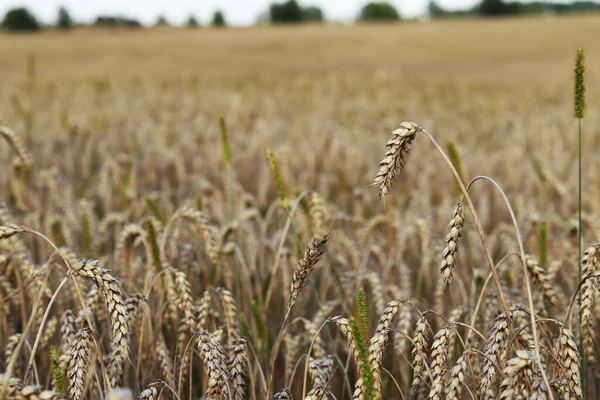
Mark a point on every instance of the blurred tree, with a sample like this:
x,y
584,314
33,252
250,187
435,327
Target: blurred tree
x,y
64,20
492,8
312,14
381,11
21,20
161,21
218,19
113,22
435,10
288,12
192,22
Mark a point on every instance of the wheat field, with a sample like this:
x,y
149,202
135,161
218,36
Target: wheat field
x,y
248,213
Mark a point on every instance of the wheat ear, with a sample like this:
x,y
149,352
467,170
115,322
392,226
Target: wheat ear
x,y
215,361
109,287
395,156
79,354
237,364
568,355
449,254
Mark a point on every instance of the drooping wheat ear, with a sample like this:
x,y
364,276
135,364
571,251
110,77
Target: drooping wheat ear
x,y
349,248
568,355
318,392
448,255
521,323
589,264
313,254
404,325
419,352
560,387
49,331
455,317
387,316
93,301
395,156
164,360
203,311
15,141
539,391
320,370
540,276
439,358
18,391
11,345
172,309
284,394
344,325
230,313
184,298
237,364
376,290
79,354
125,246
457,378
376,350
370,228
7,231
207,231
312,330
319,216
215,362
151,392
516,372
494,351
133,305
182,358
109,287
292,344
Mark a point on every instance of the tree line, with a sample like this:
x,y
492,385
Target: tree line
x,y
291,12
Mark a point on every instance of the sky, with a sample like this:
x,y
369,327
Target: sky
x,y
237,12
